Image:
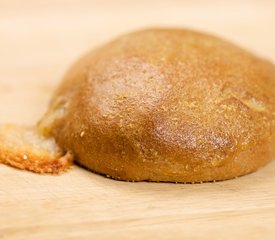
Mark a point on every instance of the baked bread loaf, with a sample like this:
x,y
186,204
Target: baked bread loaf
x,y
168,105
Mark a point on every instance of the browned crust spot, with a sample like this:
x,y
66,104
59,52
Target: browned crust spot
x,y
36,163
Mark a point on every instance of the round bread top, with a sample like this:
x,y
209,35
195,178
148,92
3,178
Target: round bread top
x,y
167,105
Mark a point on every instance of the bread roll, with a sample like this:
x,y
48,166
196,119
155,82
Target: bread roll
x,y
168,105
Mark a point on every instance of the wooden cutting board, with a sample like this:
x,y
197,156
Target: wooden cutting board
x,y
38,41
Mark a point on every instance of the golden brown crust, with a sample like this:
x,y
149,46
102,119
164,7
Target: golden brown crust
x,y
168,105
36,163
23,148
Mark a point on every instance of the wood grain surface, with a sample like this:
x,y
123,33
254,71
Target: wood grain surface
x,y
38,42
